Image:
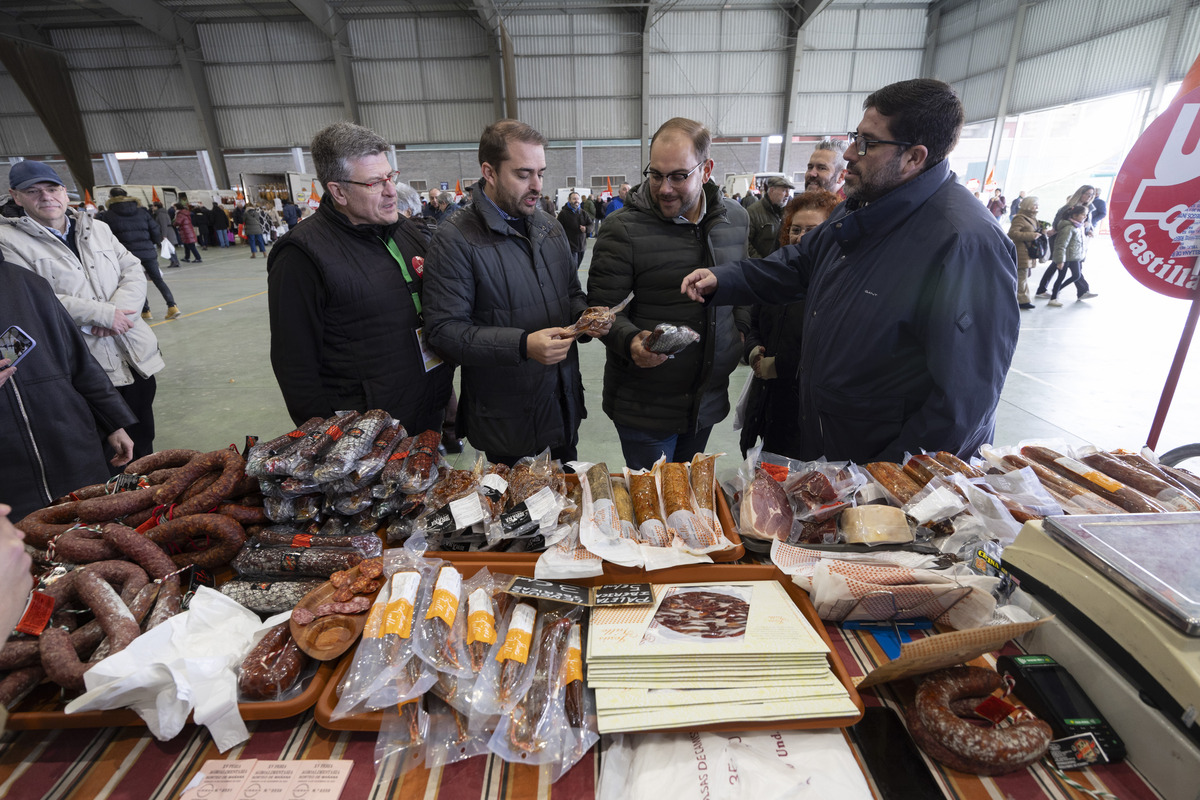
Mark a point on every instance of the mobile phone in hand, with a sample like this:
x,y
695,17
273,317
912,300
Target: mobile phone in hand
x,y
15,344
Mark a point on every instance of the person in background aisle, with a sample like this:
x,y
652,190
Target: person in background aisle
x,y
1070,250
826,168
345,296
589,207
238,220
1083,196
997,205
575,222
501,287
162,218
136,229
766,216
618,201
57,406
100,283
220,224
443,207
672,221
253,226
910,316
1023,230
752,197
431,207
201,224
1099,210
291,214
772,347
1016,207
187,233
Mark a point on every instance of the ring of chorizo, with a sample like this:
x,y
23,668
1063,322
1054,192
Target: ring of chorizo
x,y
220,536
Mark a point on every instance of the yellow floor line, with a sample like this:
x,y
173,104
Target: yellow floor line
x,y
210,308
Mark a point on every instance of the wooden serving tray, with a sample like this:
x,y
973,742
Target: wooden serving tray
x,y
43,708
326,638
371,721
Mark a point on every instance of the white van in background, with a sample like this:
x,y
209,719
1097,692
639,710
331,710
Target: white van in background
x,y
740,184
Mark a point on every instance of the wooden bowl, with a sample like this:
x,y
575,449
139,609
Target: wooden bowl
x,y
328,637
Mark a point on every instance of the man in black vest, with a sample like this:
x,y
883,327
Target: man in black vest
x,y
345,295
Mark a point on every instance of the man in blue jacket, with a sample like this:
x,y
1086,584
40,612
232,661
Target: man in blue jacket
x,y
909,287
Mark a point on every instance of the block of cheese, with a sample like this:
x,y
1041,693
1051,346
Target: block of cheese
x,y
875,524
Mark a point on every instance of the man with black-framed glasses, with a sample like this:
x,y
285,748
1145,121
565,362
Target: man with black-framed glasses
x,y
345,295
676,218
910,315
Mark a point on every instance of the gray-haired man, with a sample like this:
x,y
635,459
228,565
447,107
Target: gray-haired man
x,y
826,167
344,293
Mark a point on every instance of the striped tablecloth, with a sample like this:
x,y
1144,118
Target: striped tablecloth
x,y
129,764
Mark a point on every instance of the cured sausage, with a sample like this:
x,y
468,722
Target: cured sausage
x,y
268,597
44,524
316,562
675,488
140,606
18,683
156,562
623,502
1158,470
965,747
923,468
163,459
703,482
1077,472
894,479
645,498
221,537
958,465
352,445
1064,491
233,469
115,506
80,546
243,514
273,665
600,482
1142,481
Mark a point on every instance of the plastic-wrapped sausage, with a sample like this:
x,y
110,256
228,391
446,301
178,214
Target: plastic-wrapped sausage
x,y
352,445
1077,472
418,471
287,562
273,665
600,482
623,502
270,596
645,498
923,468
372,463
1073,497
893,478
958,465
704,481
1142,481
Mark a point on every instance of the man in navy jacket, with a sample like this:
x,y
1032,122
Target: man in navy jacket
x,y
909,287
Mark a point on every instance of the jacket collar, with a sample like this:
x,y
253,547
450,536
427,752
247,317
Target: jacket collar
x,y
639,198
881,217
328,209
538,224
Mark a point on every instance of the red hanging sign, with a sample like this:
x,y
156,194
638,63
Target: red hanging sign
x,y
1156,202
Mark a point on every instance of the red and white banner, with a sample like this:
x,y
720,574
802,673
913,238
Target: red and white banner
x,y
1156,202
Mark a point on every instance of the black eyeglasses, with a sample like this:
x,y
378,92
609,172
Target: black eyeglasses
x,y
675,178
863,143
376,185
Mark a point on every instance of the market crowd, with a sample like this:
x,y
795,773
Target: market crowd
x,y
878,307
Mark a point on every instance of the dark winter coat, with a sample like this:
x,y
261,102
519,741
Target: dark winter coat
x,y
183,224
487,286
911,320
133,226
639,250
765,219
219,219
571,219
58,406
343,322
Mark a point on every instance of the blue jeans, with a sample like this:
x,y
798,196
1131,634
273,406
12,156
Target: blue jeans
x,y
222,238
642,448
256,238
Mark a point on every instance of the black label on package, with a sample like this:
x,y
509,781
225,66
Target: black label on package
x,y
515,519
439,522
1077,752
623,594
550,590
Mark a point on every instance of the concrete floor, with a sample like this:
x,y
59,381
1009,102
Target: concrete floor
x,y
1091,371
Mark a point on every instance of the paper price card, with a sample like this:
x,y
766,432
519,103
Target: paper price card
x,y
623,594
481,620
445,595
252,779
520,634
400,603
550,590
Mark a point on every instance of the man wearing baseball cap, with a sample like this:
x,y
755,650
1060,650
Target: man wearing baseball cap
x,y
766,216
99,282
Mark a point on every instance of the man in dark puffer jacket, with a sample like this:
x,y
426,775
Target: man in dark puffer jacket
x,y
136,229
672,222
500,289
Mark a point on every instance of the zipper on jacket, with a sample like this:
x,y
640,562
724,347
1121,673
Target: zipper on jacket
x,y
36,453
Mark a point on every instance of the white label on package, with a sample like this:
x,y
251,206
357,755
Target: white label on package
x,y
466,510
404,587
542,506
494,481
479,600
939,504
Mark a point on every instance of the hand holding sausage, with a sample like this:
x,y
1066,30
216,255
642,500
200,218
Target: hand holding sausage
x,y
640,355
698,284
549,345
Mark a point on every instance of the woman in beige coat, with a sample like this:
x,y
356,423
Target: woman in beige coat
x,y
1024,229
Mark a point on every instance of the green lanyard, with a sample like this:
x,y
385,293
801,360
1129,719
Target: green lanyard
x,y
396,254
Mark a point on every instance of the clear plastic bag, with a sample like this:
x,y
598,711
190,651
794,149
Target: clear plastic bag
x,y
450,737
508,669
402,736
440,639
414,469
601,529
